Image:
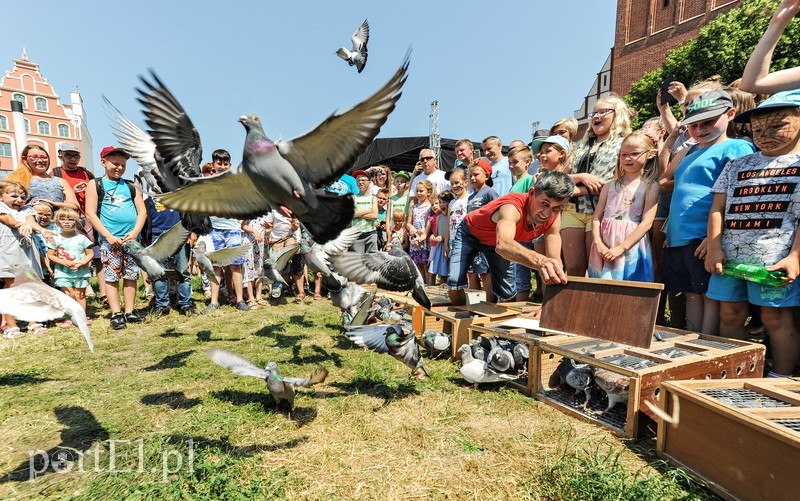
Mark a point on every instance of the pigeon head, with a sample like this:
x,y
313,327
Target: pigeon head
x,y
132,246
22,272
200,247
256,142
465,352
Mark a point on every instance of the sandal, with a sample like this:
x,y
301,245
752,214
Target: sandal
x,y
13,333
36,328
300,298
317,297
253,304
263,302
66,324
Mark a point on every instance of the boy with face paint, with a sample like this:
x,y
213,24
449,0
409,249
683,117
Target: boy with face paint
x,y
707,118
754,220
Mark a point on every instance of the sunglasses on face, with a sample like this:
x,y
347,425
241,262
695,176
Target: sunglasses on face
x,y
426,159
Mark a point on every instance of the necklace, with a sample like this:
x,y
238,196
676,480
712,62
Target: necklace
x,y
111,198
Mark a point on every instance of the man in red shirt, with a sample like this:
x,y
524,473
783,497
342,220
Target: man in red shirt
x,y
496,228
76,176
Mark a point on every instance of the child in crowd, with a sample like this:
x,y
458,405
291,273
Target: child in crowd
x,y
399,232
480,180
17,225
366,212
519,159
71,252
624,214
707,118
252,269
439,264
457,208
44,216
416,227
400,198
380,224
117,217
754,220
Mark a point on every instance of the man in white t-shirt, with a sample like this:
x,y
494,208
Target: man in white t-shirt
x,y
426,169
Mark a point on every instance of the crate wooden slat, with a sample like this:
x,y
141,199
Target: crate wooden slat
x,y
683,355
740,436
604,304
449,320
405,300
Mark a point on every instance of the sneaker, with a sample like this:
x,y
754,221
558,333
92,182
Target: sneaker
x,y
132,318
275,293
208,309
162,311
189,311
118,321
241,305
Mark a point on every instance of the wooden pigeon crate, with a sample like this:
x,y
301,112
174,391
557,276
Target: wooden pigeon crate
x,y
456,320
678,355
404,300
741,437
484,327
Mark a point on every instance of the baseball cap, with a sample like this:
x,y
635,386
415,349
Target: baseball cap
x,y
560,141
486,165
402,173
783,99
357,173
113,149
709,104
65,146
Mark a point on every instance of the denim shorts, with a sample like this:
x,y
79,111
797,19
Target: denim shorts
x,y
725,288
228,239
682,271
522,274
465,247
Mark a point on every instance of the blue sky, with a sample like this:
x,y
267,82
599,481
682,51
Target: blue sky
x,y
495,67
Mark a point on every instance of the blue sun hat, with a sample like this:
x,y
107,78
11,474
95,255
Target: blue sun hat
x,y
783,99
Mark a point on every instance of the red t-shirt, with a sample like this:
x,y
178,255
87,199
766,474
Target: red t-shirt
x,y
77,180
482,227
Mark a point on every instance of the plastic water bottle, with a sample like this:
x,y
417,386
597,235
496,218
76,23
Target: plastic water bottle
x,y
754,273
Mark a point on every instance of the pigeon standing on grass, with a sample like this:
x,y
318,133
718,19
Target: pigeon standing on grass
x,y
358,56
391,339
223,257
31,300
166,245
281,388
285,175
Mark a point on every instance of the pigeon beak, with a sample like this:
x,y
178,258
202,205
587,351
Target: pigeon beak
x,y
243,119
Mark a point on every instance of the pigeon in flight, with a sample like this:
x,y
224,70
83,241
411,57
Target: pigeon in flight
x,y
284,175
32,300
150,259
391,339
392,271
223,257
281,388
358,56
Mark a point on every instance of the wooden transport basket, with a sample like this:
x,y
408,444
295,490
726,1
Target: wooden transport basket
x,y
673,355
456,320
741,437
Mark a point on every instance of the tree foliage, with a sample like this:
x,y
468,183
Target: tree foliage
x,y
722,47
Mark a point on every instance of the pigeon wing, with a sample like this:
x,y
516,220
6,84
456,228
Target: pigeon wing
x,y
282,257
236,364
388,272
371,336
168,243
32,302
176,138
322,155
344,241
241,198
225,257
361,36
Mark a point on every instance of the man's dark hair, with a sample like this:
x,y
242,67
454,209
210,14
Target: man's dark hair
x,y
554,184
220,156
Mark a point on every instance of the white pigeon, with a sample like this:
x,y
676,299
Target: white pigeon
x,y
32,300
478,371
358,56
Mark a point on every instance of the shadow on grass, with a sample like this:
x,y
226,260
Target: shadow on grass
x,y
204,336
171,332
302,415
379,388
171,361
269,330
333,326
320,356
82,430
301,321
200,443
173,399
493,387
22,378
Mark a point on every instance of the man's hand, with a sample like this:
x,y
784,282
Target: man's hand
x,y
552,271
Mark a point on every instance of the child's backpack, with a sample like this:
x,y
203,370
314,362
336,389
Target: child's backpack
x,y
145,234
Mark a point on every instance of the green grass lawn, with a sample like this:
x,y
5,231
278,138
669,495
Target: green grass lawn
x,y
149,416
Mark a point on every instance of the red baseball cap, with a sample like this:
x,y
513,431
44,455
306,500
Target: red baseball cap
x,y
113,149
359,172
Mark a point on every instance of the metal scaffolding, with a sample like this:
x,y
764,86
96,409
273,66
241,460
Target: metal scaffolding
x,y
434,138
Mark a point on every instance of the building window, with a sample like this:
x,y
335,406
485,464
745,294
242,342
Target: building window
x,y
44,128
63,130
27,126
41,104
5,150
3,122
605,80
21,99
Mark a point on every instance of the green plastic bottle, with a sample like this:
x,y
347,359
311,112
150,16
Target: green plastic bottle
x,y
754,273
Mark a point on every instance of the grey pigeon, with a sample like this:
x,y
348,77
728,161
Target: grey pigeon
x,y
477,371
349,299
282,175
436,342
271,273
150,259
521,354
500,357
614,385
391,339
358,56
477,350
580,378
281,388
393,271
32,300
223,257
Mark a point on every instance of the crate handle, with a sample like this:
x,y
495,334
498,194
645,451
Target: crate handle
x,y
675,418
